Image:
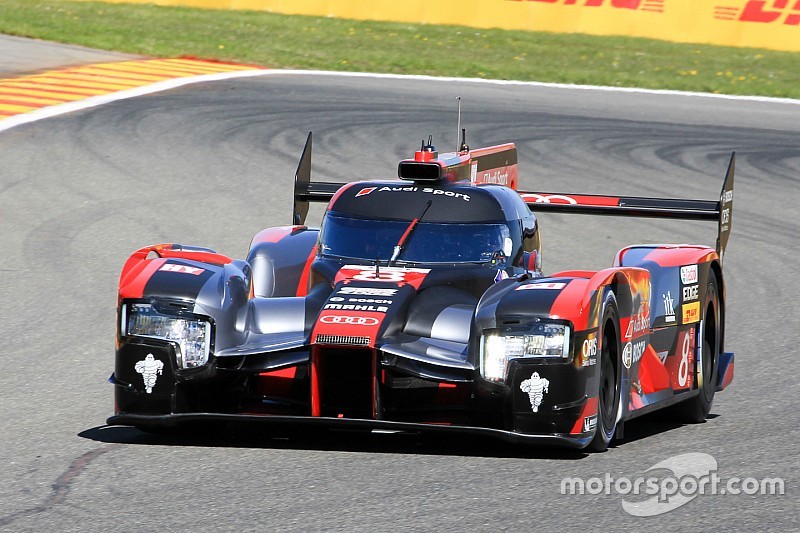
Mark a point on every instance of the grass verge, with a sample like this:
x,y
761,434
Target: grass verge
x,y
282,41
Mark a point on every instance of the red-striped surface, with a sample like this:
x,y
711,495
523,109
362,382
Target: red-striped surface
x,y
29,93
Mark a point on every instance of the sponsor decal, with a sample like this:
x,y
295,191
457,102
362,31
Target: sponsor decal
x,y
669,309
654,6
181,269
761,11
494,177
541,286
365,191
425,190
349,320
552,198
536,387
366,291
150,368
589,351
386,274
727,196
639,323
691,313
690,293
361,300
689,274
589,423
687,358
356,307
725,218
632,353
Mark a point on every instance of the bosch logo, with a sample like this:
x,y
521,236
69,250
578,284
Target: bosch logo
x,y
349,320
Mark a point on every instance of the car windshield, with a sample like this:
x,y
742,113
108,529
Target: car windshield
x,y
359,238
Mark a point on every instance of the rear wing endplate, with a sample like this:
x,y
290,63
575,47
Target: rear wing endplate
x,y
305,190
630,206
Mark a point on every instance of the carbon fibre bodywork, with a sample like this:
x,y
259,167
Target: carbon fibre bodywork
x,y
299,334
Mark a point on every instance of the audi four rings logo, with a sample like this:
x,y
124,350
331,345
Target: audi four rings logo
x,y
552,198
351,320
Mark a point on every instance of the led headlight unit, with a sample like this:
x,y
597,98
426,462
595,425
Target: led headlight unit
x,y
542,340
192,335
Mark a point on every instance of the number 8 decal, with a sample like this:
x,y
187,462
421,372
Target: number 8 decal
x,y
683,368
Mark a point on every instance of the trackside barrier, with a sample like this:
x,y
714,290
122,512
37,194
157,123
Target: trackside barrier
x,y
772,24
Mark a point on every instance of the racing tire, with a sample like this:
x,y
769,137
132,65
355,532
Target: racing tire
x,y
608,396
696,409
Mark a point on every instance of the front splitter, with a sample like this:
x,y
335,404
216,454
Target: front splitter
x,y
175,420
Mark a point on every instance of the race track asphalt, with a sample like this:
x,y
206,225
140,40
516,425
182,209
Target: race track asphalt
x,y
212,164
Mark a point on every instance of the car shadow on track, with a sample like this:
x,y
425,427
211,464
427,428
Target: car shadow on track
x,y
247,436
649,425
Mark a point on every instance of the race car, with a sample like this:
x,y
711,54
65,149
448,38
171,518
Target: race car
x,y
420,305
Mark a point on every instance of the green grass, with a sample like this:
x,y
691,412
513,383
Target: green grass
x,y
282,41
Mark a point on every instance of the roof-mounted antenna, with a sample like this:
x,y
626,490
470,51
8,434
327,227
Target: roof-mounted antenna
x,y
464,145
458,127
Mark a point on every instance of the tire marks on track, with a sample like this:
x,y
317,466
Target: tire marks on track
x,y
61,486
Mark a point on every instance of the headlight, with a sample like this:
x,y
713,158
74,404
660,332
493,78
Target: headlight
x,y
544,340
192,335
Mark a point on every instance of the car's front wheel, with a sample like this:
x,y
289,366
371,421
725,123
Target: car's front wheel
x,y
608,396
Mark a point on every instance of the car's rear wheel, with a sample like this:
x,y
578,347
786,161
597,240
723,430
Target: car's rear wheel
x,y
608,396
696,409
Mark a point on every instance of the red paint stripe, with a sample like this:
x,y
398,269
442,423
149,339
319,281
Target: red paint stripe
x,y
17,102
302,285
567,305
589,409
185,69
286,373
216,66
140,275
44,87
133,77
685,255
7,101
273,234
316,404
28,94
728,378
92,91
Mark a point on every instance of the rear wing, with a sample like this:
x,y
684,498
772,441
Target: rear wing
x,y
588,204
305,190
498,165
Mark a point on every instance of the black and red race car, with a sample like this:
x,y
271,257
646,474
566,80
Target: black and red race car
x,y
420,305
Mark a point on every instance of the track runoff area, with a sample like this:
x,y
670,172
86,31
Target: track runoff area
x,y
31,98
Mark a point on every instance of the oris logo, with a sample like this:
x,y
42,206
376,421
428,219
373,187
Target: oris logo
x,y
589,348
349,320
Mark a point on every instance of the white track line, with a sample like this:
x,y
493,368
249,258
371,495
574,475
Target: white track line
x,y
60,109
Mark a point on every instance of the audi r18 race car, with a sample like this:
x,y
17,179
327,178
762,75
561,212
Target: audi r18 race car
x,y
420,305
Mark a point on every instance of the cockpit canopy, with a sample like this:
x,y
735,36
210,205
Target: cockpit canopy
x,y
347,236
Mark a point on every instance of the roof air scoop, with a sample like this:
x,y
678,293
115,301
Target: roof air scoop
x,y
425,166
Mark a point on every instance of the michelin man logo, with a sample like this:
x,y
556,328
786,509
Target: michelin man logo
x,y
150,368
536,387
